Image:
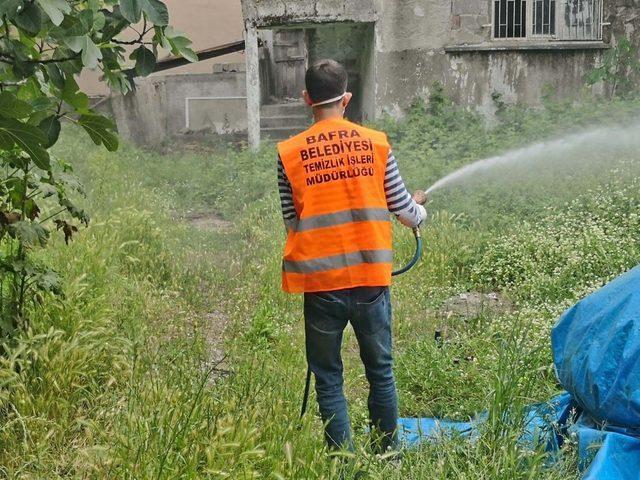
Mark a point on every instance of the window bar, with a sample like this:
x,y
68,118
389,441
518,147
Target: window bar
x,y
546,15
575,17
559,31
594,17
592,20
563,21
585,18
503,19
539,17
598,25
582,4
600,19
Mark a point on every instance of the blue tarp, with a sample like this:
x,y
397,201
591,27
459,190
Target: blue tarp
x,y
596,352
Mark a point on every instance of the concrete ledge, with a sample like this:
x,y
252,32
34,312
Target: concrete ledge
x,y
501,46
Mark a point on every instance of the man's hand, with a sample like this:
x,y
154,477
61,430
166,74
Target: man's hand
x,y
420,197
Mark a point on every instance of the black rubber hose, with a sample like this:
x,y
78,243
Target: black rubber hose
x,y
416,255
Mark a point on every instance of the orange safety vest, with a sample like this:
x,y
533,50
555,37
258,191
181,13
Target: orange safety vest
x,y
342,234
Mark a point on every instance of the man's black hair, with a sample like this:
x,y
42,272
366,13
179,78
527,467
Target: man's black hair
x,y
326,79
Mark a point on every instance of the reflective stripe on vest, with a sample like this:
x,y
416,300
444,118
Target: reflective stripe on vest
x,y
340,218
338,261
342,236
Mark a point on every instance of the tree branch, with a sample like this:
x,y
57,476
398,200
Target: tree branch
x,y
6,58
137,41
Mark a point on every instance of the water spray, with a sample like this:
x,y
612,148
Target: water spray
x,y
600,139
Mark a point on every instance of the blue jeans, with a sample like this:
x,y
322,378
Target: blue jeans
x,y
326,316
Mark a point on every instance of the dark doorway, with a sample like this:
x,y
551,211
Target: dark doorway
x,y
350,44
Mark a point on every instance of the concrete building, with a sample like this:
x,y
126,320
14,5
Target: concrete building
x,y
396,50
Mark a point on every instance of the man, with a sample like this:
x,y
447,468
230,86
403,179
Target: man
x,y
338,181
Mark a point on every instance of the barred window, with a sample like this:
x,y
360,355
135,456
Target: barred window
x,y
544,17
555,19
510,18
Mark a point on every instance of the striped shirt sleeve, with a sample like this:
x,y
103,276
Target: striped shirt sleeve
x,y
399,200
286,195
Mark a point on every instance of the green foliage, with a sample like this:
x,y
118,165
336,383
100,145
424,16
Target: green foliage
x,y
620,69
44,44
23,228
575,249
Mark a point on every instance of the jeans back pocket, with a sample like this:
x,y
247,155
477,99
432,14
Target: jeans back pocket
x,y
325,312
373,316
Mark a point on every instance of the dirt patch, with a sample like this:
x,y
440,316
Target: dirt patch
x,y
208,221
215,324
470,305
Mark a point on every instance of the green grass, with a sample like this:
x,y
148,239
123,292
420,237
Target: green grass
x,y
117,379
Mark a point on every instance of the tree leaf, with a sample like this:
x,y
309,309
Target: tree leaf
x,y
145,60
75,43
156,12
31,209
73,96
12,107
29,19
180,46
74,211
90,53
55,9
48,281
86,19
29,233
27,137
131,10
70,181
100,129
10,8
99,21
55,75
72,26
67,228
114,23
51,128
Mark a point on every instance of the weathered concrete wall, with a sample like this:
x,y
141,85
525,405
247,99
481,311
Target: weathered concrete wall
x,y
222,91
141,115
273,13
471,78
417,43
624,16
163,107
